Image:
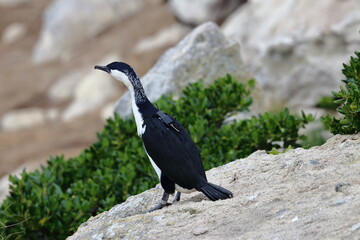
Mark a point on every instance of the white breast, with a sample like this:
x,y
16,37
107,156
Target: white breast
x,y
157,169
183,190
138,119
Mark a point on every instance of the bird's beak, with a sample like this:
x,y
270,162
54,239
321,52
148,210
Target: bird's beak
x,y
103,68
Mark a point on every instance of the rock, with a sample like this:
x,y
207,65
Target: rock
x,y
292,50
275,197
341,187
201,11
13,32
164,37
200,231
92,92
355,227
205,53
63,89
11,3
27,118
67,23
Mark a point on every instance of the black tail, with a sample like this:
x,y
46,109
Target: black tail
x,y
215,192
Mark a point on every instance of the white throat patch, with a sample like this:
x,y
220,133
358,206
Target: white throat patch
x,y
120,76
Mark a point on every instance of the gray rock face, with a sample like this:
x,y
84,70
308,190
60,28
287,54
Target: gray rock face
x,y
201,11
205,53
301,194
66,23
296,48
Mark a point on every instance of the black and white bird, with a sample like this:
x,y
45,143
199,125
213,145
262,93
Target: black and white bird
x,y
171,151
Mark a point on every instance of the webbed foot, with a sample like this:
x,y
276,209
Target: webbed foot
x,y
163,202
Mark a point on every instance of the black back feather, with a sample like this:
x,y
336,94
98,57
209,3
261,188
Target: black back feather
x,y
174,153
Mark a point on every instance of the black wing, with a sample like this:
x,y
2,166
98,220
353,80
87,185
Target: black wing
x,y
174,152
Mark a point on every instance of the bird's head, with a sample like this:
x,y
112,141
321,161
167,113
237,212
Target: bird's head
x,y
122,72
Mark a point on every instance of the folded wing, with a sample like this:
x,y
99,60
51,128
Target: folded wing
x,y
174,152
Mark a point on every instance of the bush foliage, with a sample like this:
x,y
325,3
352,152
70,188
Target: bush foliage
x,y
327,102
349,100
53,202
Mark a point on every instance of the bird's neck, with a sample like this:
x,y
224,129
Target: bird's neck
x,y
137,91
141,106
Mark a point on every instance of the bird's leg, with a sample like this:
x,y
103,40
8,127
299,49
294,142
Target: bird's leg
x,y
163,202
177,197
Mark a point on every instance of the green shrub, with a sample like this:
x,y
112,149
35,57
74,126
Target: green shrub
x,y
349,99
53,202
327,102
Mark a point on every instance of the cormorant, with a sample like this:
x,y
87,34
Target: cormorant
x,y
173,154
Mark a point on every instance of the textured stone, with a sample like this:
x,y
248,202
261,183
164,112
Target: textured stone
x,y
205,53
275,197
201,11
67,23
295,49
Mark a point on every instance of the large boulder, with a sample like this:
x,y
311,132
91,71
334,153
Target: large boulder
x,y
201,11
67,23
205,53
296,48
301,194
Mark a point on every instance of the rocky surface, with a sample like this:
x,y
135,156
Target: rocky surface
x,y
189,61
292,50
301,194
201,11
65,27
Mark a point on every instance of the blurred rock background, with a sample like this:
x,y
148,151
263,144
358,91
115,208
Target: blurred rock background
x,y
52,102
